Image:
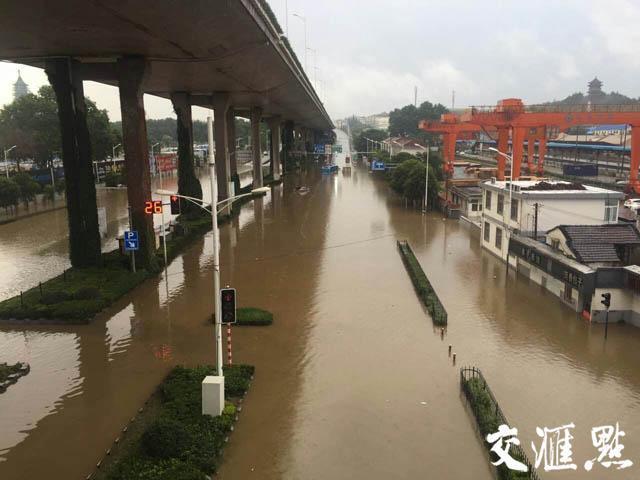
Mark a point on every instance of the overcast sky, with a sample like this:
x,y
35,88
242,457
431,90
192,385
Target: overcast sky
x,y
371,53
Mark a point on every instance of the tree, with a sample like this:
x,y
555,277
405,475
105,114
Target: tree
x,y
9,193
361,144
28,187
31,122
404,121
408,180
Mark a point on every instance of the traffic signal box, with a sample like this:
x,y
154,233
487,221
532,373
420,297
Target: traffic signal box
x,y
175,205
228,305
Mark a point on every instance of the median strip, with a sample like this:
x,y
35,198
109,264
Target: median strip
x,y
421,283
169,438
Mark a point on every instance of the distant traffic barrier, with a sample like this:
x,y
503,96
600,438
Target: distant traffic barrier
x,y
489,417
421,283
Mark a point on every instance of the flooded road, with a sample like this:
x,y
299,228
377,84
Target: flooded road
x,y
352,381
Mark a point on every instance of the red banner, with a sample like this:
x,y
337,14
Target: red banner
x,y
165,162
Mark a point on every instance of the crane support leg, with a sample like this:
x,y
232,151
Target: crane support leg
x,y
503,146
542,151
518,147
531,148
635,158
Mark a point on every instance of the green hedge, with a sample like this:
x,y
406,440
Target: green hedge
x,y
253,316
488,420
76,295
423,287
181,443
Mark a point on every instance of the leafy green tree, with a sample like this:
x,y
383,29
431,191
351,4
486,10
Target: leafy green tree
x,y
404,121
403,157
9,193
31,122
408,180
360,140
28,187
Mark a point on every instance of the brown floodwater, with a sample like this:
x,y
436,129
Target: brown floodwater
x,y
352,381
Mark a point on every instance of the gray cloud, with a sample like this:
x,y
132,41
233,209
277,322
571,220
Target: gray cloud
x,y
371,53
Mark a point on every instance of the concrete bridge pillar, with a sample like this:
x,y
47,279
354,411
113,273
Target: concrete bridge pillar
x,y
274,126
221,105
256,117
131,74
231,147
84,236
287,145
188,183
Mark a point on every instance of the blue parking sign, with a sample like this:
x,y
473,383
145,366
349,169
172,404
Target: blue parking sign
x,y
131,241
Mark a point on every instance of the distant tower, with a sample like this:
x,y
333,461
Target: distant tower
x,y
20,88
595,89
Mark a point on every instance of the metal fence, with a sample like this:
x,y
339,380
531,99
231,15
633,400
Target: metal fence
x,y
472,373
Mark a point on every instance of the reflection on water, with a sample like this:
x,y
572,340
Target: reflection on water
x,y
352,381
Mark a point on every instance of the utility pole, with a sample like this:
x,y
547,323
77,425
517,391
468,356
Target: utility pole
x,y
453,99
426,184
415,96
535,221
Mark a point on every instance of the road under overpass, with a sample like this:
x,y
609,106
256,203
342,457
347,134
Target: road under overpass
x,y
228,55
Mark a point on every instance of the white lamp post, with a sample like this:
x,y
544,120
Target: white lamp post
x,y
304,20
113,156
213,209
6,163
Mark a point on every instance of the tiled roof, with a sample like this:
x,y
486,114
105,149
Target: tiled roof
x,y
596,243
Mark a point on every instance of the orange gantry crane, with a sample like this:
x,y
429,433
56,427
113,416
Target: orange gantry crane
x,y
531,123
450,127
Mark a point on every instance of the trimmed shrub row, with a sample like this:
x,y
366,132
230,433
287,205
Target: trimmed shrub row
x,y
76,295
181,443
421,283
253,316
488,418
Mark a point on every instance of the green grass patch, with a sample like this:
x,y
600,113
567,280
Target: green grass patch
x,y
78,294
253,317
172,439
423,287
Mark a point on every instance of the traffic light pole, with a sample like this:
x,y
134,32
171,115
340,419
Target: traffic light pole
x,y
216,250
606,323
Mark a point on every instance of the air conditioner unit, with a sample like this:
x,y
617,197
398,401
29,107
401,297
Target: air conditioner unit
x,y
493,179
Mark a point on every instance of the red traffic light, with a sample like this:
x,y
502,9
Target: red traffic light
x,y
175,205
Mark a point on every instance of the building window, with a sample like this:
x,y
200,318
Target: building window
x,y
611,210
568,293
555,244
474,206
499,238
487,201
514,209
500,207
487,232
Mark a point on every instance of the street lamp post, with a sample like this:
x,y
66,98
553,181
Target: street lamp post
x,y
216,242
113,156
6,163
304,20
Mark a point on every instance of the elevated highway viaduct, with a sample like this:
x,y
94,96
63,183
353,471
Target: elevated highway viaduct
x,y
228,55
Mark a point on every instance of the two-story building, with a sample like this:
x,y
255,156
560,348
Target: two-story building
x,y
529,208
578,263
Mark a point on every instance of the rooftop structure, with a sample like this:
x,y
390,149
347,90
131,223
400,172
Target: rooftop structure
x,y
595,88
605,245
